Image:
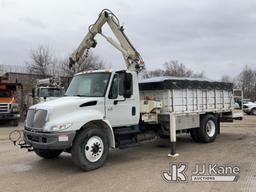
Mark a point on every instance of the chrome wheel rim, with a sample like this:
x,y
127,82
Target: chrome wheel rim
x,y
94,149
210,128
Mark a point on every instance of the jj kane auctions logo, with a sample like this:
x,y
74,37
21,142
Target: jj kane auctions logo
x,y
201,173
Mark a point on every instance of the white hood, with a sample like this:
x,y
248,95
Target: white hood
x,y
66,105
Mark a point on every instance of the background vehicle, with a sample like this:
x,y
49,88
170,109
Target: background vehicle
x,y
250,108
238,104
9,109
105,109
47,89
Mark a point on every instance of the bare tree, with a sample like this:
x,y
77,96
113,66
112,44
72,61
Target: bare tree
x,y
247,81
154,73
173,68
91,62
41,61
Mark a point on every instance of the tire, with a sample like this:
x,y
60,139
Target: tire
x,y
90,148
194,134
208,130
253,111
47,153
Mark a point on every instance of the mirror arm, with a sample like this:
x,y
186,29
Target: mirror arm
x,y
120,100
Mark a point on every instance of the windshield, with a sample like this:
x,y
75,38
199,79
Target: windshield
x,y
89,85
51,92
5,93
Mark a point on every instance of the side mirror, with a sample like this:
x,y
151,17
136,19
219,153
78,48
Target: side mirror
x,y
33,92
128,85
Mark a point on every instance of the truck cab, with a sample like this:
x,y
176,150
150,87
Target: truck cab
x,y
103,100
9,110
111,96
42,94
112,90
47,89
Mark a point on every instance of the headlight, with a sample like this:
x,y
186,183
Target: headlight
x,y
15,107
59,127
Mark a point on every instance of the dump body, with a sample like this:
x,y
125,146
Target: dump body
x,y
188,99
187,95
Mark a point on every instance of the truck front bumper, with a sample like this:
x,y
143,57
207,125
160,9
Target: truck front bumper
x,y
9,116
40,140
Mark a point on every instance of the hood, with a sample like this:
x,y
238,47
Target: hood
x,y
66,105
7,100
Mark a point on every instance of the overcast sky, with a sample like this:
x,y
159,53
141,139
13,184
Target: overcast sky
x,y
214,36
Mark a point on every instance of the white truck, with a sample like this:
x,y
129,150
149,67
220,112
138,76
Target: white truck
x,y
106,109
47,89
250,108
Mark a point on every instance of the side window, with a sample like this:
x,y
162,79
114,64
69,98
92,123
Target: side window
x,y
128,88
113,93
119,87
121,84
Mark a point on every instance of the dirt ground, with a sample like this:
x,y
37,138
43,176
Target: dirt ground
x,y
134,169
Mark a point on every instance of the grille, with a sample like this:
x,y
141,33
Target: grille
x,y
36,118
4,107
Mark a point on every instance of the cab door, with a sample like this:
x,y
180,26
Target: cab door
x,y
122,110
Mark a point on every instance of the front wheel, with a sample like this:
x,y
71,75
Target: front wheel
x,y
90,148
47,153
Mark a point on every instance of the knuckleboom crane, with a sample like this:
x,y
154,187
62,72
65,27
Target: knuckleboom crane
x,y
132,58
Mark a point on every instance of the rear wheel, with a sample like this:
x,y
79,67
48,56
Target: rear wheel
x,y
90,148
208,130
47,153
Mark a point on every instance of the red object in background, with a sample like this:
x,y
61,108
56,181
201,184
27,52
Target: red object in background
x,y
2,86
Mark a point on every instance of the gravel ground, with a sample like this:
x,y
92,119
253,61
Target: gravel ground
x,y
134,169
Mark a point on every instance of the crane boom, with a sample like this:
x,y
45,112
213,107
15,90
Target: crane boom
x,y
132,58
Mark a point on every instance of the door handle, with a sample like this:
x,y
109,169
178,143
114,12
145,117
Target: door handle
x,y
133,111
